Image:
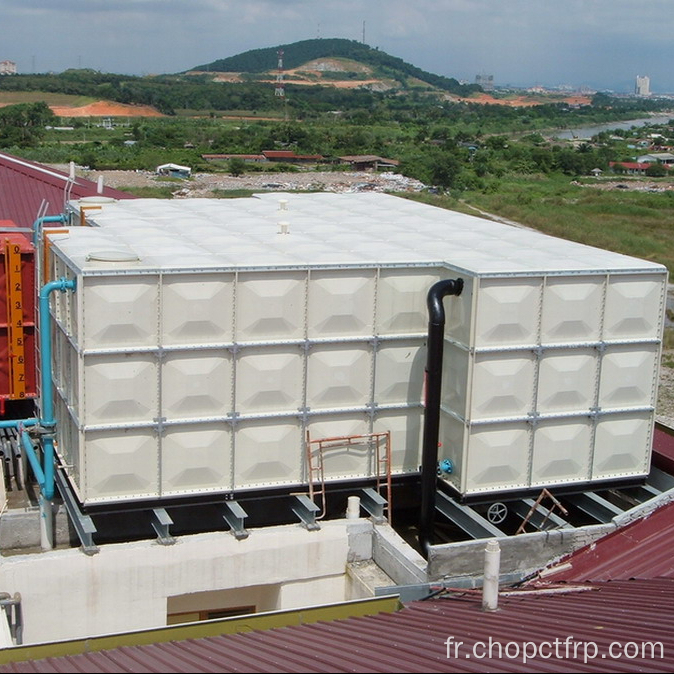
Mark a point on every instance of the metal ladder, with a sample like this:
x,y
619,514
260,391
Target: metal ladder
x,y
555,504
382,464
16,338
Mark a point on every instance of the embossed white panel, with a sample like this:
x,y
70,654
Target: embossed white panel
x,y
120,314
406,429
198,308
401,301
562,451
196,458
120,388
502,385
498,457
634,307
339,376
567,380
269,379
628,376
343,461
270,306
399,374
455,378
121,463
452,445
623,445
507,311
267,453
572,309
341,303
196,384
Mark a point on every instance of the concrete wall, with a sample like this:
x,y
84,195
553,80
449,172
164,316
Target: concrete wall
x,y
67,594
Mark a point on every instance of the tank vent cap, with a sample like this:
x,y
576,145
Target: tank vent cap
x,y
283,205
284,227
112,256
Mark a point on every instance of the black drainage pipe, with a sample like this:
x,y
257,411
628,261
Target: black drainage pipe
x,y
429,457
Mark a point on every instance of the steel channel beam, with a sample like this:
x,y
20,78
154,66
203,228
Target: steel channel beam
x,y
466,518
595,506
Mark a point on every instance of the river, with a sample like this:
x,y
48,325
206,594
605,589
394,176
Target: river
x,y
589,131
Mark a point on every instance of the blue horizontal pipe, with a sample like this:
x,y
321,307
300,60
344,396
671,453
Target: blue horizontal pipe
x,y
62,219
18,423
33,460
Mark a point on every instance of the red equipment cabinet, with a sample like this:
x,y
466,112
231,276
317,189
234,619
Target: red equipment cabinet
x,y
18,380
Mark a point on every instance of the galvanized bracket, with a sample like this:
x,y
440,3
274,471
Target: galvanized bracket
x,y
161,521
466,518
306,510
84,525
235,515
374,504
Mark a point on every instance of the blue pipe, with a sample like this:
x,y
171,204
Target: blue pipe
x,y
33,460
47,420
62,219
18,423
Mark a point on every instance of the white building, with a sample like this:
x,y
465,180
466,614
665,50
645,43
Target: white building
x,y
7,68
643,85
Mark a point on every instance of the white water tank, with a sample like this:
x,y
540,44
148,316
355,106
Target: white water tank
x,y
201,345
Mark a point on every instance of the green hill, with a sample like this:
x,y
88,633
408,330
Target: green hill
x,y
298,53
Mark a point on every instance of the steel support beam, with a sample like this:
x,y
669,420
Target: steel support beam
x,y
466,518
660,480
161,522
83,524
374,504
595,506
306,510
235,516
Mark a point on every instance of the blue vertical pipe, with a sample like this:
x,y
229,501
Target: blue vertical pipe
x,y
47,219
47,420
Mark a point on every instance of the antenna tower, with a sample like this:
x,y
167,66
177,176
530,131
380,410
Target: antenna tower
x,y
280,85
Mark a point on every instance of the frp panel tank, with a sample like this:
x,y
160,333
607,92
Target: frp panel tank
x,y
207,337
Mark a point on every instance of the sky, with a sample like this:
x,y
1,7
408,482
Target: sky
x,y
602,44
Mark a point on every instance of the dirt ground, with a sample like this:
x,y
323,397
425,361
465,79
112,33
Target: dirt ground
x,y
106,109
203,184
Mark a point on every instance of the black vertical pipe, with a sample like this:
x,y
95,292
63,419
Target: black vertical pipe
x,y
429,457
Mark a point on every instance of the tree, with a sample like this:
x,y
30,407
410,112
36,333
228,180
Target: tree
x,y
237,167
23,124
656,171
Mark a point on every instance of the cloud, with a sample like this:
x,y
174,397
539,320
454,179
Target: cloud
x,y
516,40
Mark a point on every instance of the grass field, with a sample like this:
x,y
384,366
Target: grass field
x,y
633,222
14,97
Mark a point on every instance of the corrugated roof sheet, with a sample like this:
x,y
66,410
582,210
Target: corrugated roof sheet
x,y
616,618
642,549
663,448
24,185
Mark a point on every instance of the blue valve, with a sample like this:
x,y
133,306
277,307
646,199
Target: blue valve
x,y
446,466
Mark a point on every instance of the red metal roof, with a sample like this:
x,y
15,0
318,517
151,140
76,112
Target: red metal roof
x,y
257,157
663,448
642,549
640,166
279,154
610,616
24,185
